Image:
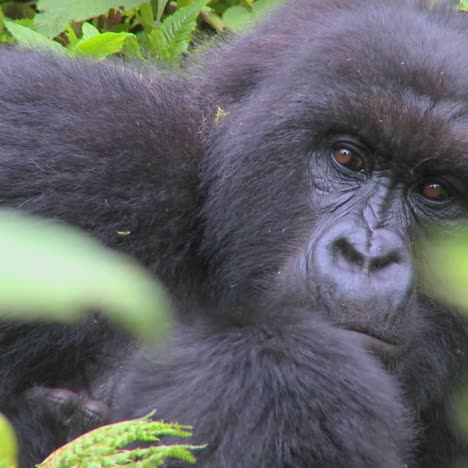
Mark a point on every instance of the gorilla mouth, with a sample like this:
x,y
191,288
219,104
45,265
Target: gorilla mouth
x,y
375,342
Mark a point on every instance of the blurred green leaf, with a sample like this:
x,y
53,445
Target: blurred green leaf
x,y
26,37
161,5
51,271
183,3
55,14
238,18
445,269
463,5
89,31
8,445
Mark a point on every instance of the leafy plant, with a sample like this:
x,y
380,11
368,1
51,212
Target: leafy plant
x,y
55,15
165,40
100,45
137,28
444,273
169,39
462,5
105,446
8,445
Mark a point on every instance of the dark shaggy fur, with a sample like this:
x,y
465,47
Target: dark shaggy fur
x,y
284,232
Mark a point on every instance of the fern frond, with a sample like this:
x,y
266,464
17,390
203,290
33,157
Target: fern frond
x,y
106,446
172,37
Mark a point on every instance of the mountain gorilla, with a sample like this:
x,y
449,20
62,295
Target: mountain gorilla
x,y
276,189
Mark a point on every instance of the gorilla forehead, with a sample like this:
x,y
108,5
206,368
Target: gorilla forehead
x,y
406,73
389,43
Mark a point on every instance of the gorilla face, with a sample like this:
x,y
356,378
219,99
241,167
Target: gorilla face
x,y
363,148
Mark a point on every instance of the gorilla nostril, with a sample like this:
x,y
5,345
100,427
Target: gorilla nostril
x,y
344,251
355,252
380,263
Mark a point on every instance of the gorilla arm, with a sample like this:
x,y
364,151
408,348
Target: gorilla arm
x,y
294,393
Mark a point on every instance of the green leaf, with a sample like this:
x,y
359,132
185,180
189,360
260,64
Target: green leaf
x,y
8,445
102,45
158,45
463,5
146,16
160,10
172,37
26,37
51,271
89,31
54,14
2,18
445,268
238,18
71,36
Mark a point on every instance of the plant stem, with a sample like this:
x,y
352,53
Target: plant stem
x,y
147,17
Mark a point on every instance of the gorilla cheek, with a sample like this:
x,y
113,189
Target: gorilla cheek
x,y
364,278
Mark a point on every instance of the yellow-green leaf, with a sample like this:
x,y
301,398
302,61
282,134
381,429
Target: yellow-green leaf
x,y
8,445
102,45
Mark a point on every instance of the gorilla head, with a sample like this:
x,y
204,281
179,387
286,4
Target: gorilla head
x,y
351,137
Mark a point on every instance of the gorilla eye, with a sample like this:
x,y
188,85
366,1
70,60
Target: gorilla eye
x,y
349,158
435,191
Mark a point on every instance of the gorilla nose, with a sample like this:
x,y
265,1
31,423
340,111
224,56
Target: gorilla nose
x,y
371,254
359,270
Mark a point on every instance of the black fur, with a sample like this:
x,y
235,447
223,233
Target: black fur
x,y
302,340
102,179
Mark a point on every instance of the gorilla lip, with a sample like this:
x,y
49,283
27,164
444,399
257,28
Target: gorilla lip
x,y
376,342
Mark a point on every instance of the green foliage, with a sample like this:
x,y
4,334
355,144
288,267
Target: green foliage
x,y
8,446
27,37
237,18
51,271
462,5
169,39
56,14
105,446
100,45
137,28
444,275
446,266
